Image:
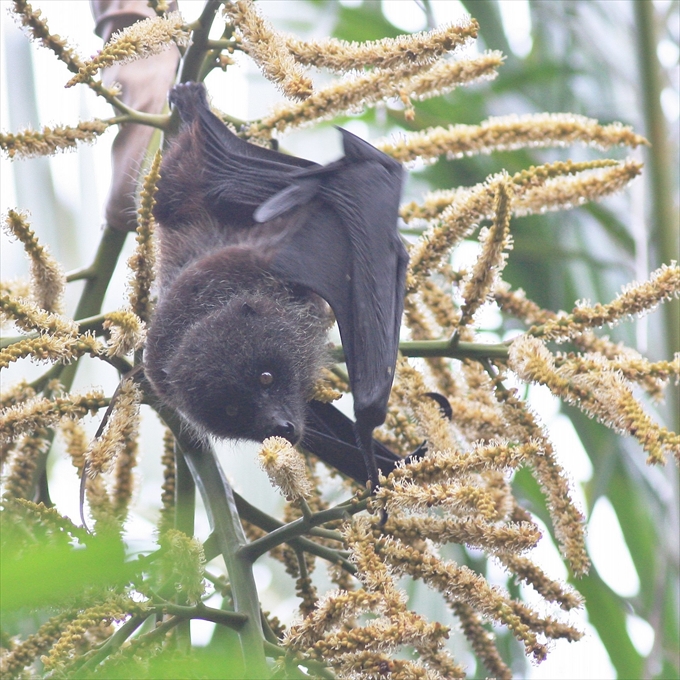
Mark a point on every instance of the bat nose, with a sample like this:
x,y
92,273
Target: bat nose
x,y
287,430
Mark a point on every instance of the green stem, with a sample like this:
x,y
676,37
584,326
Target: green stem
x,y
185,508
666,230
295,529
111,645
82,273
193,57
221,44
444,348
200,611
185,494
225,522
454,349
318,669
268,523
156,120
328,534
102,268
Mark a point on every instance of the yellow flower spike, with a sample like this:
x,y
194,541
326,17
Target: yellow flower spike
x,y
23,463
446,76
437,201
538,190
459,583
39,412
140,40
47,277
481,640
562,193
127,332
445,314
545,625
602,394
15,288
451,464
552,591
285,468
106,521
39,31
477,533
124,482
624,359
369,88
439,302
184,561
101,507
116,608
325,634
16,394
268,49
411,385
326,388
457,221
25,653
636,299
50,140
507,133
168,489
388,53
652,376
55,348
120,430
48,518
142,262
455,497
491,260
29,317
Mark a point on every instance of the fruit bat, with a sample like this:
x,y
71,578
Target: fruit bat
x,y
255,245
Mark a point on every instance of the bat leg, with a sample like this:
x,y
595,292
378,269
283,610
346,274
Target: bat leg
x,y
364,435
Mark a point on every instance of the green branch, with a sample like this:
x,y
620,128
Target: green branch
x,y
193,57
200,611
452,349
666,231
111,645
264,521
295,529
225,522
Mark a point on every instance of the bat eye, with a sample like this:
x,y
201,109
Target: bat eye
x,y
266,378
232,410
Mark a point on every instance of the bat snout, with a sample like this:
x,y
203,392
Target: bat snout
x,y
286,429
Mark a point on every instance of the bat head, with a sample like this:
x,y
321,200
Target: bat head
x,y
246,369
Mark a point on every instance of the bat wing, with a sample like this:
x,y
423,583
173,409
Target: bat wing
x,y
329,435
237,176
343,244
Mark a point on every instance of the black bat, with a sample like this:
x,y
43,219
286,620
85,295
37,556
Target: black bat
x,y
253,242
